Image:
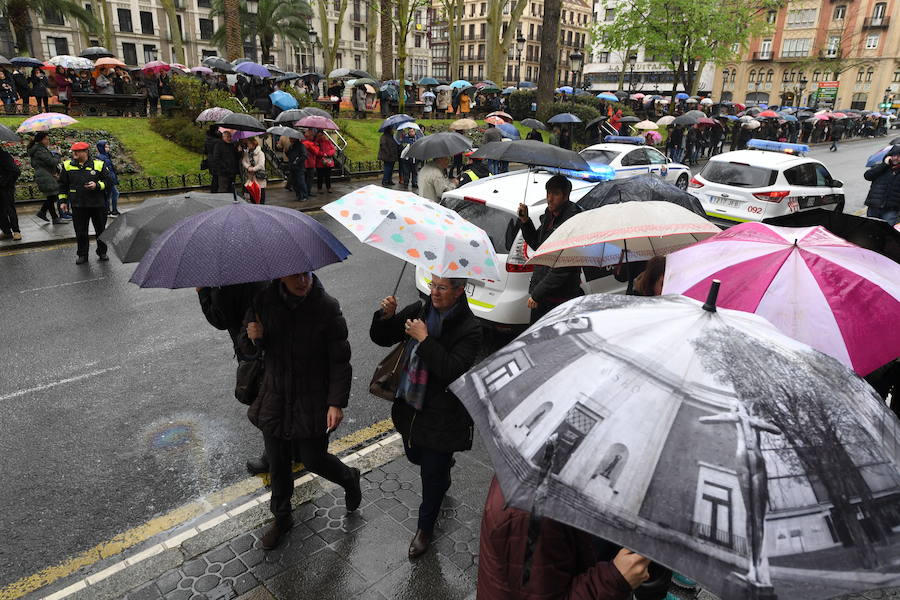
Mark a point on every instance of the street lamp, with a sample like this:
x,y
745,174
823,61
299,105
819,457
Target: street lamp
x,y
520,47
576,60
802,85
724,80
632,59
313,40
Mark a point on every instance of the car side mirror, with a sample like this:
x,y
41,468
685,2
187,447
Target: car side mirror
x,y
837,183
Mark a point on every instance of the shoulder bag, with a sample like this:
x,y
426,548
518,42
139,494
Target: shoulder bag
x,y
248,379
387,374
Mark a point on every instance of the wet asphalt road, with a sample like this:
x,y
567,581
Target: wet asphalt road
x,y
116,402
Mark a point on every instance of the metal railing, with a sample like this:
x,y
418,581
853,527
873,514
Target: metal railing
x,y
762,55
876,22
722,538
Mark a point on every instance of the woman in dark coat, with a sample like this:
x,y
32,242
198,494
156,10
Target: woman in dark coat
x,y
46,174
388,153
442,339
304,388
209,144
39,83
63,87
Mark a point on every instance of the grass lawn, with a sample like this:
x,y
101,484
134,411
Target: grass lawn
x,y
156,155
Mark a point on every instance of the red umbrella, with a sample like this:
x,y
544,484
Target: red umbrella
x,y
48,66
317,122
770,114
739,106
156,66
706,121
838,115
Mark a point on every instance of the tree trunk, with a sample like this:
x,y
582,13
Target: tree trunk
x,y
454,29
371,38
174,29
694,77
498,43
387,40
549,54
234,43
402,29
109,38
19,20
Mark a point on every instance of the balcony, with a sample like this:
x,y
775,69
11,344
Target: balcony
x,y
876,22
357,17
795,53
762,55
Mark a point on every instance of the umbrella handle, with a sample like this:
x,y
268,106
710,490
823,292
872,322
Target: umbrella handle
x,y
399,279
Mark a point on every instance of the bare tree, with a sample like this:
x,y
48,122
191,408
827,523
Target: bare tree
x,y
500,34
549,53
401,24
452,13
371,38
385,9
331,36
174,29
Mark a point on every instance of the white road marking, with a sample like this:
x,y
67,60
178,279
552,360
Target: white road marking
x,y
50,287
56,383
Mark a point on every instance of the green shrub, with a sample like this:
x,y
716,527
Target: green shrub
x,y
601,105
582,111
519,104
180,130
192,97
303,99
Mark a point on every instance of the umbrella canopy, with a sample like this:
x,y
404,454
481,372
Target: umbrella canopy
x,y
527,85
460,84
882,154
95,52
446,143
394,121
156,66
429,95
533,123
238,61
629,119
811,284
706,121
428,81
239,243
628,418
292,115
179,67
509,131
508,90
26,61
273,69
217,63
566,89
317,122
752,124
287,76
417,231
666,120
8,135
640,188
213,115
634,230
242,122
647,125
45,122
503,115
283,100
564,118
706,101
594,122
767,114
697,114
312,76
285,131
339,73
608,97
681,96
534,153
638,96
132,234
70,62
254,69
202,70
494,120
685,119
463,125
317,112
364,81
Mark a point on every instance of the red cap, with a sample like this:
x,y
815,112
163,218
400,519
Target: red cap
x,y
81,146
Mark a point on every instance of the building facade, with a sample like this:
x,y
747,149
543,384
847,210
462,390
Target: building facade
x,y
834,54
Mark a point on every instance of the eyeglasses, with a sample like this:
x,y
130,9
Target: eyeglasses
x,y
440,288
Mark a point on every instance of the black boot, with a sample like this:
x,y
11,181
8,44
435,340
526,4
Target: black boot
x,y
275,534
255,467
353,492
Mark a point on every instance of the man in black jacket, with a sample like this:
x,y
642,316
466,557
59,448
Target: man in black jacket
x,y
883,200
550,287
226,162
9,174
82,185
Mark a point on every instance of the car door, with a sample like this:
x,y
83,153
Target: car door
x,y
633,163
804,193
831,193
658,165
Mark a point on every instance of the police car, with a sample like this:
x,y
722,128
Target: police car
x,y
769,179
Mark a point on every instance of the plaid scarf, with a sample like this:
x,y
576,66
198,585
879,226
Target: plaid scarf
x,y
414,379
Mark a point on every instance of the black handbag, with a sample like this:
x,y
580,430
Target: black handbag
x,y
387,374
248,379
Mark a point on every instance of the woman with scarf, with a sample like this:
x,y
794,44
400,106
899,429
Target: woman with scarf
x,y
441,340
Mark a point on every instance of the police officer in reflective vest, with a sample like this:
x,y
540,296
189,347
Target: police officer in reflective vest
x,y
82,185
476,170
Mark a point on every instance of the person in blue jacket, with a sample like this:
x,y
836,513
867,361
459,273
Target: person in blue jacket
x,y
112,192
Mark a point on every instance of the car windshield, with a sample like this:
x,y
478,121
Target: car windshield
x,y
738,174
499,225
604,157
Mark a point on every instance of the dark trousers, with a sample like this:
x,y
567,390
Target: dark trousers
x,y
298,180
225,184
42,101
310,179
388,172
81,218
49,205
323,176
214,182
434,468
313,453
9,220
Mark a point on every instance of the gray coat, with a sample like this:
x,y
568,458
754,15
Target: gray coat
x,y
45,166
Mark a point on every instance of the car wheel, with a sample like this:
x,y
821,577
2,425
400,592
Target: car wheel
x,y
682,182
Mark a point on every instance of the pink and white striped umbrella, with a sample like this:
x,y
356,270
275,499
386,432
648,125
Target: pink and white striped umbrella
x,y
840,299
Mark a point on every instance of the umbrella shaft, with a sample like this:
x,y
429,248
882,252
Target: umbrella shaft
x,y
399,279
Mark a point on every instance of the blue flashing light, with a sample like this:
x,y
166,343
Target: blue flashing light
x,y
625,139
777,146
598,172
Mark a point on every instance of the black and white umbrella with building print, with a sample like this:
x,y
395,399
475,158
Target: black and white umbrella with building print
x,y
701,438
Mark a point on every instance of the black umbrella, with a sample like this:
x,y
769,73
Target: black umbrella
x,y
629,119
95,52
447,143
621,95
285,131
697,114
685,120
360,74
318,112
132,234
533,123
26,61
292,115
242,122
872,234
803,114
641,188
533,153
312,76
564,118
273,69
289,76
217,63
596,121
8,135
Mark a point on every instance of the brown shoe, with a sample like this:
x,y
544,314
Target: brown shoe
x,y
275,534
419,544
17,236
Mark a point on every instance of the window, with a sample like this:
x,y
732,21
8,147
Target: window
x,y
418,16
472,32
878,13
833,46
58,45
603,57
418,41
872,41
125,21
181,30
869,74
480,52
54,17
817,75
635,157
204,4
471,71
751,77
528,74
859,75
840,11
804,175
801,18
129,53
771,16
147,25
715,506
896,78
357,34
208,53
150,52
481,71
483,32
858,101
339,60
483,8
206,29
796,47
357,62
769,75
610,14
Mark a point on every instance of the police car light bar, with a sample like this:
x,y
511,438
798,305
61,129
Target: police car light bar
x,y
597,173
625,139
777,146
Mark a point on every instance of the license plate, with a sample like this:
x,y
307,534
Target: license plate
x,y
724,201
793,206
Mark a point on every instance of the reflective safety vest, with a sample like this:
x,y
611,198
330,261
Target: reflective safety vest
x,y
473,176
75,176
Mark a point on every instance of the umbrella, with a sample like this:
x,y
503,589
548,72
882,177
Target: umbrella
x,y
417,231
26,61
697,114
273,69
339,73
317,112
865,232
201,69
364,81
494,120
132,234
460,84
213,115
95,52
509,131
706,101
394,120
564,118
881,154
681,96
463,125
317,122
242,122
503,115
790,118
608,97
156,66
527,85
629,119
685,119
254,69
283,100
509,90
648,421
706,121
692,101
4,61
285,131
666,120
8,135
753,124
647,125
534,153
180,67
533,123
70,62
312,76
767,114
429,95
635,230
238,61
640,188
287,76
45,122
638,96
360,73
292,115
838,115
566,89
217,63
239,243
811,284
594,122
447,143
443,88
428,81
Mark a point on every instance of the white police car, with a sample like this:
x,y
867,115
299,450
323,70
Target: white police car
x,y
769,179
630,159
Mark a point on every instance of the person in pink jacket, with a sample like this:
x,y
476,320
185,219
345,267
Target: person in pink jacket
x,y
325,161
312,155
